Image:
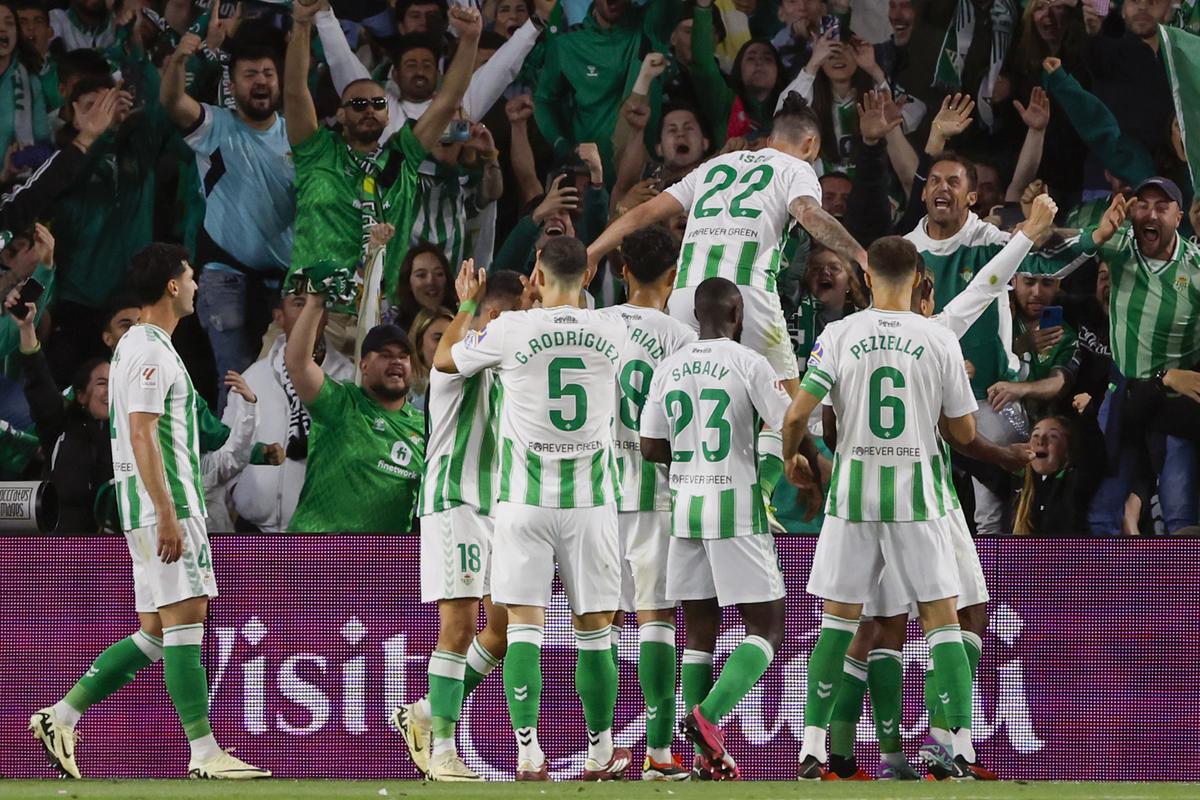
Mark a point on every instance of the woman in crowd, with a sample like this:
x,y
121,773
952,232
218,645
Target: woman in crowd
x,y
425,333
1059,482
426,282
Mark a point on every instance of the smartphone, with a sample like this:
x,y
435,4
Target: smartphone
x,y
459,130
830,23
1101,7
30,293
1052,317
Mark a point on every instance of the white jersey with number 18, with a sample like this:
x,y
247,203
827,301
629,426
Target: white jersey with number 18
x,y
891,375
738,217
709,401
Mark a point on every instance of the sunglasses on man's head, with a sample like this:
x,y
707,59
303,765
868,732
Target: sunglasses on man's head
x,y
360,104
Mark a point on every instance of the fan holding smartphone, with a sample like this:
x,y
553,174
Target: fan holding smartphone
x,y
1045,344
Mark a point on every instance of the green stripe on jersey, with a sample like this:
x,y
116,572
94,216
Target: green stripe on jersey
x,y
918,490
887,494
596,475
506,468
745,263
566,483
712,264
685,264
533,479
648,486
856,489
696,517
938,489
834,484
727,513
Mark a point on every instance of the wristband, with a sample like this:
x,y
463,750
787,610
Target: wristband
x,y
37,348
468,307
490,157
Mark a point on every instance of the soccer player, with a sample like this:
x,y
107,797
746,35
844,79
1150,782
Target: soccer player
x,y
455,506
740,207
345,183
557,366
644,511
706,405
156,467
366,448
892,376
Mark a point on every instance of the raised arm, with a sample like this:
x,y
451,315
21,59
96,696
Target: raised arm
x,y
344,66
706,77
519,111
307,377
183,110
1036,117
298,109
489,81
471,286
822,226
445,103
662,207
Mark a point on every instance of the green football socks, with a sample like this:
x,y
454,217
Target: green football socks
x,y
745,665
885,681
656,675
824,676
112,670
847,710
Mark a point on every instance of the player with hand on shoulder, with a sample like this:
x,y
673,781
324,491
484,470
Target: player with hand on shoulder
x,y
156,470
644,510
557,366
706,405
458,493
892,376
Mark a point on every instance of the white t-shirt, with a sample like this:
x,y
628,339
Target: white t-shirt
x,y
891,375
653,335
557,368
709,401
738,217
147,375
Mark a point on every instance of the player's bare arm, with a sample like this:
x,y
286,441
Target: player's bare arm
x,y
143,435
662,207
298,109
1011,458
433,122
823,227
656,450
800,452
307,376
960,431
471,285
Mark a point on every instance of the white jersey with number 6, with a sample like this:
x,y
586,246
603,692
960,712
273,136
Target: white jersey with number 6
x,y
709,401
891,374
557,368
737,216
652,337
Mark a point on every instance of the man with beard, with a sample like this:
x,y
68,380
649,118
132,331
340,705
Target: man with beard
x,y
242,155
347,183
1154,316
368,437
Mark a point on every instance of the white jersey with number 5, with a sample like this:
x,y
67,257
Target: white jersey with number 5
x,y
737,216
557,368
891,375
709,401
652,337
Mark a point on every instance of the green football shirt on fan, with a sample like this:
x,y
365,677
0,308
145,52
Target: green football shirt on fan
x,y
364,464
331,181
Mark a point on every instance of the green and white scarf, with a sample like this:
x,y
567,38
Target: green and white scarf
x,y
948,74
22,112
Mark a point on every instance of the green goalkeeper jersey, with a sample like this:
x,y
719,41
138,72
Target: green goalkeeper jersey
x,y
336,188
364,464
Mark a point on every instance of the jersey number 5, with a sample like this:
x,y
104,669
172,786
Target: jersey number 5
x,y
572,391
723,176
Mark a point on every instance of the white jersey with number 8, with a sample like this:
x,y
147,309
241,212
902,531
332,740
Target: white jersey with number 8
x,y
709,401
891,374
557,368
738,217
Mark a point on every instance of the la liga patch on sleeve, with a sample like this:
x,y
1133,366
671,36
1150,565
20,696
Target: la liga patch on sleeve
x,y
149,377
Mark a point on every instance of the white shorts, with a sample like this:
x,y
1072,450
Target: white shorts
x,y
456,554
583,542
156,584
645,537
764,329
890,600
851,556
744,569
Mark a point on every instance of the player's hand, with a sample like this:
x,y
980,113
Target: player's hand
x,y
873,122
237,384
170,539
471,284
466,21
519,110
1041,217
1017,456
274,454
558,198
1037,114
1112,220
800,474
1002,393
1182,381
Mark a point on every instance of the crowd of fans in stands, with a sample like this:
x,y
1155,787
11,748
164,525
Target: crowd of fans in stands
x,y
129,122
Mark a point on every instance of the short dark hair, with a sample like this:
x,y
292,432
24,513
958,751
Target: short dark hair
x,y
835,174
715,297
680,105
256,39
359,82
650,252
795,119
893,258
31,5
414,41
503,286
957,158
404,5
123,299
564,257
152,268
83,61
91,83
